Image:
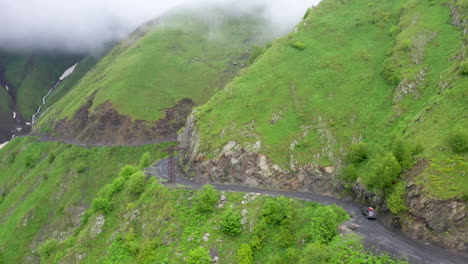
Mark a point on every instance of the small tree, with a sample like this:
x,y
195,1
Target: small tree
x,y
385,172
137,182
145,160
396,201
464,67
244,255
231,223
458,142
47,248
199,255
101,204
278,210
206,198
127,171
358,153
403,153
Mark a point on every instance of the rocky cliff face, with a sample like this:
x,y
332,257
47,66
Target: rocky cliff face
x,y
104,125
236,164
443,223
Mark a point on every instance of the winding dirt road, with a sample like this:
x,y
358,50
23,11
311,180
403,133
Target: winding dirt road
x,y
376,234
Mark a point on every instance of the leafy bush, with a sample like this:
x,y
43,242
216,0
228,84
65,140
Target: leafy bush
x,y
145,160
391,71
464,68
406,44
101,204
358,153
137,182
278,210
256,53
47,248
394,30
307,13
349,174
298,45
285,236
396,201
30,161
323,226
244,255
385,172
231,223
81,167
199,255
51,158
403,153
206,198
118,184
256,243
458,142
127,171
316,253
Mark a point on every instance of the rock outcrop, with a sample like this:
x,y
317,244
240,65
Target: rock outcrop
x,y
236,164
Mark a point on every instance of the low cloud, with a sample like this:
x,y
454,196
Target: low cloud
x,y
87,25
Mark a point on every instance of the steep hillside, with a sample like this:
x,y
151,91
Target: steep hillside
x,y
24,79
364,96
7,123
45,188
138,220
145,87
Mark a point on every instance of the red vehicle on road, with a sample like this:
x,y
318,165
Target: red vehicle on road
x,y
368,212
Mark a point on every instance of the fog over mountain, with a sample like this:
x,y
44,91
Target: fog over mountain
x,y
87,25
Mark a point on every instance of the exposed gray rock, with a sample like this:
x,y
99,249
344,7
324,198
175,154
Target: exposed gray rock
x,y
96,227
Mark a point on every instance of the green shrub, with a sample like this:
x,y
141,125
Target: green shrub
x,y
47,248
403,153
316,253
298,45
199,255
307,13
293,255
323,226
278,210
51,158
358,153
137,182
244,255
145,160
101,204
30,161
458,142
81,167
118,184
385,172
256,53
231,223
396,201
406,44
418,148
285,236
394,30
256,243
349,174
464,68
391,71
206,198
127,171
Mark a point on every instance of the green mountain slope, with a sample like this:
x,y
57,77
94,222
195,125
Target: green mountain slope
x,y
32,75
180,56
388,74
46,187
